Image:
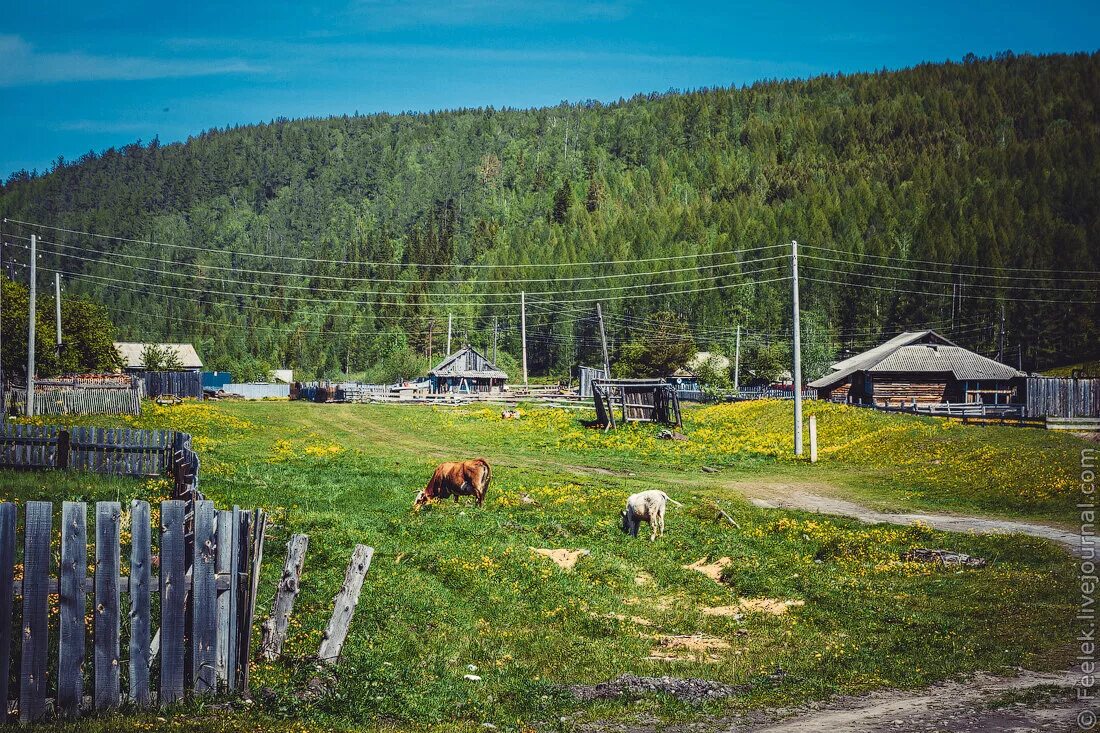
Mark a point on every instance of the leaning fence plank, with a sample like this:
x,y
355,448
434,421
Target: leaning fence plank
x,y
244,557
7,568
74,573
344,606
36,586
223,567
204,601
259,527
140,571
173,587
107,567
274,628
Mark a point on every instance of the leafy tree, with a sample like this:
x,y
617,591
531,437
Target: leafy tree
x,y
157,358
665,346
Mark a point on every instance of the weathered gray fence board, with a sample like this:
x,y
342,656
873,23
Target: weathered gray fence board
x,y
225,608
274,628
1062,397
140,581
107,569
173,586
204,601
36,577
332,641
73,598
7,574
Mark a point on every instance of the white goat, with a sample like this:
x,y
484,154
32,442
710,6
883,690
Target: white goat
x,y
646,506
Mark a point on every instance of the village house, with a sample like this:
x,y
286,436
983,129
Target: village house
x,y
130,353
466,371
921,368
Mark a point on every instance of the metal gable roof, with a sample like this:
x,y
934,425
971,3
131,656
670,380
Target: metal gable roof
x,y
959,362
914,361
130,352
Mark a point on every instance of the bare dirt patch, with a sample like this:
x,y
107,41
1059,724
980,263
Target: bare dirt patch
x,y
564,559
688,690
712,570
643,579
688,648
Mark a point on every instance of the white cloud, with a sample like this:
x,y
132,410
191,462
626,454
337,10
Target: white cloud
x,y
23,65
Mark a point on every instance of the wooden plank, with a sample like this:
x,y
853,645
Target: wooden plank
x,y
140,586
107,614
74,573
224,612
332,641
204,599
36,575
237,522
7,571
173,586
275,627
259,527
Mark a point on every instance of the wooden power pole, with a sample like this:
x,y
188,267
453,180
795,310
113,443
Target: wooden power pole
x,y
797,352
523,331
30,326
448,334
603,341
57,309
737,360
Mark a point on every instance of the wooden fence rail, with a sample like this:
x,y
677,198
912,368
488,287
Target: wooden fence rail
x,y
204,614
176,384
104,400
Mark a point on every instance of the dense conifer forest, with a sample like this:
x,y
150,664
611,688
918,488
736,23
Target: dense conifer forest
x,y
942,196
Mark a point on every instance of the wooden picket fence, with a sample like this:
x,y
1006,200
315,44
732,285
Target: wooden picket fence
x,y
205,597
77,400
118,451
175,384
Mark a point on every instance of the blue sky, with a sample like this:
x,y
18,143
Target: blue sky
x,y
79,76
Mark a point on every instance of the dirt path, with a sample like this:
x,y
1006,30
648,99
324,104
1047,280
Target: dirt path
x,y
986,704
788,496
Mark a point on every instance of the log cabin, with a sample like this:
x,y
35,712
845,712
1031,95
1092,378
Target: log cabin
x,y
920,368
466,371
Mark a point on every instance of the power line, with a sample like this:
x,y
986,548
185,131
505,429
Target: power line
x,y
955,264
922,270
383,264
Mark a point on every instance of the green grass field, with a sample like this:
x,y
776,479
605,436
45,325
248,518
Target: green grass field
x,y
455,586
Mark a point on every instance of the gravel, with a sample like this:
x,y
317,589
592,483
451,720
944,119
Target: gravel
x,y
688,690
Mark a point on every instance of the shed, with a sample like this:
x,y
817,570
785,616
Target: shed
x,y
920,367
639,400
130,353
467,370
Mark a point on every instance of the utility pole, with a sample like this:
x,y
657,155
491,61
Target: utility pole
x,y
737,360
523,331
431,325
57,308
603,340
1001,340
496,332
30,326
797,352
448,334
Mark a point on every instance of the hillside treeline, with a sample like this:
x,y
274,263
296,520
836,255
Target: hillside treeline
x,y
940,195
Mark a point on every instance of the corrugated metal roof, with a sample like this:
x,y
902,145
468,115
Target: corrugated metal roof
x,y
961,363
130,353
467,363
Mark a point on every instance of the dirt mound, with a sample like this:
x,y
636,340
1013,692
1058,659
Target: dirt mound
x,y
688,690
688,648
564,559
772,606
711,570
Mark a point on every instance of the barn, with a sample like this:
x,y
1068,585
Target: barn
x,y
466,371
920,368
130,354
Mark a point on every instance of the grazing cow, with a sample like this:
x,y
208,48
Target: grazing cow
x,y
461,478
646,506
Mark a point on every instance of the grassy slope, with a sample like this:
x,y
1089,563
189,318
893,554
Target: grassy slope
x,y
454,586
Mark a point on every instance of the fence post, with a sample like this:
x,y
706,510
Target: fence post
x,y
227,607
140,572
74,575
813,438
61,457
344,605
274,629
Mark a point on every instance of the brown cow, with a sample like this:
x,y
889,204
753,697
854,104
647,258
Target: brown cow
x,y
461,478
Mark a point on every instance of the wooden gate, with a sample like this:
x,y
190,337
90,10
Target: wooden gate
x,y
208,569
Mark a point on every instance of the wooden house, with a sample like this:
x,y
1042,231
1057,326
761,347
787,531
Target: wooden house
x,y
466,371
921,368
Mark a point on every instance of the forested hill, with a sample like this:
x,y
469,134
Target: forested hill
x,y
931,196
